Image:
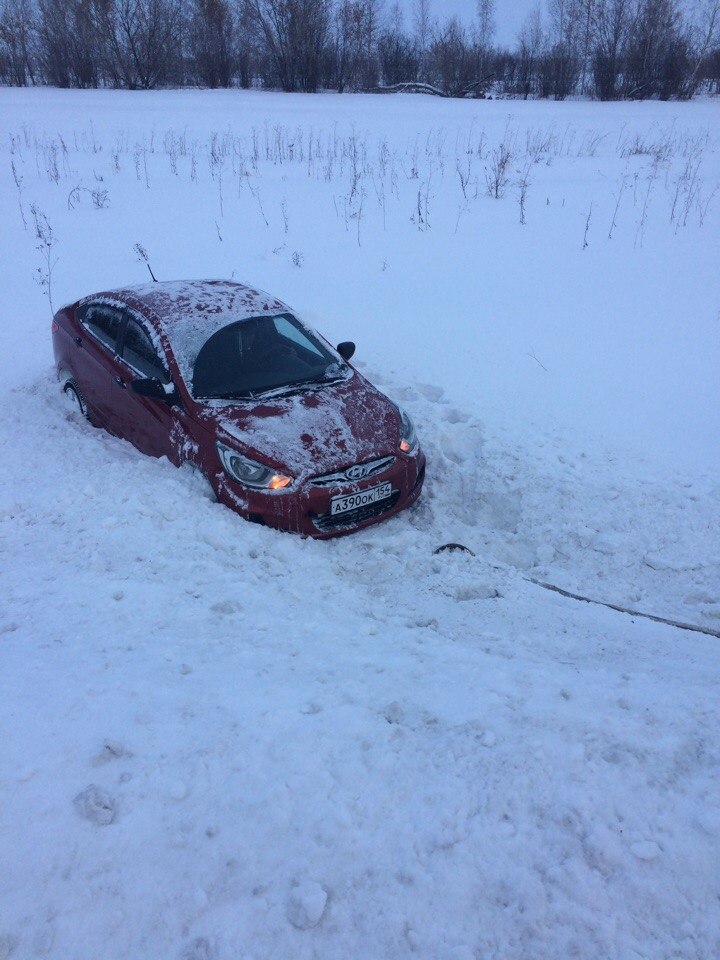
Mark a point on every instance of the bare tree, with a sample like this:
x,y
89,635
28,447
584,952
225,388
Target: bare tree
x,y
452,60
611,24
348,39
530,46
422,23
17,42
68,43
704,37
710,70
658,51
486,23
560,66
295,33
398,53
211,41
586,14
372,24
247,43
564,21
143,40
484,42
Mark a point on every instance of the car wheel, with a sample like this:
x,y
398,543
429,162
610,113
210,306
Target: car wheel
x,y
74,399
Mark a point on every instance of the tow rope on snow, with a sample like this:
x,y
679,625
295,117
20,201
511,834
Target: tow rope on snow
x,y
632,613
600,603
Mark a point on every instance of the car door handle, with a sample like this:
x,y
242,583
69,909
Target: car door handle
x,y
78,341
120,382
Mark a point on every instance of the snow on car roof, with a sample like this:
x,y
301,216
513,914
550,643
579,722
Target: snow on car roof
x,y
189,312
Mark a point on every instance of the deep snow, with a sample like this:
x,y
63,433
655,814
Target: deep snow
x,y
222,742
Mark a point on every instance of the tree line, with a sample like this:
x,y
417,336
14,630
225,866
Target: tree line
x,y
606,49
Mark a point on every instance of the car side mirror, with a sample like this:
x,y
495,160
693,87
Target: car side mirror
x,y
346,349
155,389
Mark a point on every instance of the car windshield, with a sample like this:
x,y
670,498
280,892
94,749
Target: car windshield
x,y
262,355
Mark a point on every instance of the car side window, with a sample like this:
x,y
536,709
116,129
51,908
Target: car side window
x,y
103,322
140,353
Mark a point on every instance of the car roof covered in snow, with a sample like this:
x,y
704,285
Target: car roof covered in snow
x,y
189,312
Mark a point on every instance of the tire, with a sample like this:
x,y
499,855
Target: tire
x,y
75,399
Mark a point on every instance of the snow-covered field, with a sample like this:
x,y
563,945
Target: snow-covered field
x,y
224,743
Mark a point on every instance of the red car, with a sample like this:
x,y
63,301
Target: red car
x,y
226,378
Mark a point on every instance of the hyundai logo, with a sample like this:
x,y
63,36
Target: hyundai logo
x,y
357,472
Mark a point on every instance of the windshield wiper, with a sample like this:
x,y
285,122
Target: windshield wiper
x,y
326,377
300,386
287,389
235,395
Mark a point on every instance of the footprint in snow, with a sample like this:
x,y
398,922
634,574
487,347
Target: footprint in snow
x,y
7,945
43,940
518,554
199,949
453,415
545,553
309,709
645,849
177,790
394,712
430,392
225,608
453,449
96,805
112,750
306,904
700,597
475,591
708,820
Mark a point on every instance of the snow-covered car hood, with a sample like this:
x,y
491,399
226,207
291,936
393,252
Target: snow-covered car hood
x,y
312,433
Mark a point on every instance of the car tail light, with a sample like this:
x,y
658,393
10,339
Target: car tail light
x,y
54,327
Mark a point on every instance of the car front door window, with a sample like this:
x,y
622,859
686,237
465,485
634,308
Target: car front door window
x,y
140,353
147,422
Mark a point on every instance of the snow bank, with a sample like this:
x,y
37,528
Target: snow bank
x,y
223,742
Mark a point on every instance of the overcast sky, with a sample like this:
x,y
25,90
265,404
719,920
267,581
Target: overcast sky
x,y
509,14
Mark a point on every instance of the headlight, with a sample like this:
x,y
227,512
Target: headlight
x,y
408,437
250,473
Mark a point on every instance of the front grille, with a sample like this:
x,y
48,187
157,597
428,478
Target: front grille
x,y
364,470
352,518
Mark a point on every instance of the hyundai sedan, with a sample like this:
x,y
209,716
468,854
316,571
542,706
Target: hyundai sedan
x,y
227,378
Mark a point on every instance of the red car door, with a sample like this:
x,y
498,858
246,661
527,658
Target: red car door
x,y
153,426
93,359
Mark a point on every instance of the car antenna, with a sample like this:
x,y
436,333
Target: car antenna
x,y
142,256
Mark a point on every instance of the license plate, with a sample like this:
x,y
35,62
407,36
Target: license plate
x,y
364,498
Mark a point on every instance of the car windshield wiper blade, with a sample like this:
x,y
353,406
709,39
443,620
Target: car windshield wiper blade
x,y
325,377
284,391
299,386
287,389
234,395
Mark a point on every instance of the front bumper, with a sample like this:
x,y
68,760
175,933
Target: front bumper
x,y
305,508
